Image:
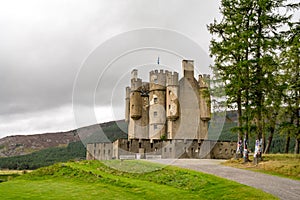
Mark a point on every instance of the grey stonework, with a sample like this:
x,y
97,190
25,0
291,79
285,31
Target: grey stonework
x,y
176,148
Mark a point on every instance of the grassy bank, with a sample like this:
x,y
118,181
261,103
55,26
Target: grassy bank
x,y
284,165
95,180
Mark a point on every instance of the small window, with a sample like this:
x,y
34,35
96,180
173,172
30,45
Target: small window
x,y
140,145
151,145
155,80
155,99
155,149
169,106
170,92
108,151
155,113
155,126
170,149
104,151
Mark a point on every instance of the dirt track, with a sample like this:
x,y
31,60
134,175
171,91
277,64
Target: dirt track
x,y
281,187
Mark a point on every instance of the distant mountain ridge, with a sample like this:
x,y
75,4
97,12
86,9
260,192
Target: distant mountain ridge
x,y
25,144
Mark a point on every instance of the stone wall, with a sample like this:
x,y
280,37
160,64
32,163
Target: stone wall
x,y
196,149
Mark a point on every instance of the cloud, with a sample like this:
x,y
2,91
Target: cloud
x,y
44,43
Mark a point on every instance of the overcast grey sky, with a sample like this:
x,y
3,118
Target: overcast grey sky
x,y
43,44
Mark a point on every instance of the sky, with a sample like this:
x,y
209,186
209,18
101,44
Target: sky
x,y
44,44
62,59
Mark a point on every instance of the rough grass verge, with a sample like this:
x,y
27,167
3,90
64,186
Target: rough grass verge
x,y
284,165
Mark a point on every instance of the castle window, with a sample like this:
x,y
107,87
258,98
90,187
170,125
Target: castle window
x,y
170,92
140,145
155,126
155,80
155,149
155,99
151,145
108,152
170,149
155,113
169,106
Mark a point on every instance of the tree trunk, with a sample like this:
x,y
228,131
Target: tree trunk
x,y
269,140
287,143
239,152
297,146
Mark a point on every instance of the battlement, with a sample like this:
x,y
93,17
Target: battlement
x,y
160,72
172,78
136,84
158,78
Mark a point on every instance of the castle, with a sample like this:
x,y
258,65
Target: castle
x,y
168,108
167,118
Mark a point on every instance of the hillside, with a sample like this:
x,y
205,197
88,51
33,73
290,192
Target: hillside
x,y
44,157
25,144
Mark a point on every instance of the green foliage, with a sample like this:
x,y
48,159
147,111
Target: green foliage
x,y
94,180
44,157
245,46
108,133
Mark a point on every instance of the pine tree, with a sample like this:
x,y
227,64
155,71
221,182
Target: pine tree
x,y
245,49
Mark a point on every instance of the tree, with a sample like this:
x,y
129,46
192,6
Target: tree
x,y
290,57
230,51
245,49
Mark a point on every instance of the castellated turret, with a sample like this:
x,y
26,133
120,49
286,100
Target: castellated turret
x,y
138,108
135,96
157,107
172,87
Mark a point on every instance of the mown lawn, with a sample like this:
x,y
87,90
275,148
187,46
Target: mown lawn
x,y
284,165
95,180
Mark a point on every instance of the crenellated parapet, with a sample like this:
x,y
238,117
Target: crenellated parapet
x,y
171,78
157,80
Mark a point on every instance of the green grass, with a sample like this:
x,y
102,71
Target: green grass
x,y
284,165
95,180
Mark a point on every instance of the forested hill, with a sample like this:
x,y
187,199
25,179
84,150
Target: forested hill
x,y
26,144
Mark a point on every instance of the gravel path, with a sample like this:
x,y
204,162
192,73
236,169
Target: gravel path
x,y
281,187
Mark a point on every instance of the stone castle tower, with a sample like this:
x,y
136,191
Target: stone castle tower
x,y
166,107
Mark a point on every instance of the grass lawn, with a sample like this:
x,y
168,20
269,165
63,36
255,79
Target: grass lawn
x,y
95,180
284,165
